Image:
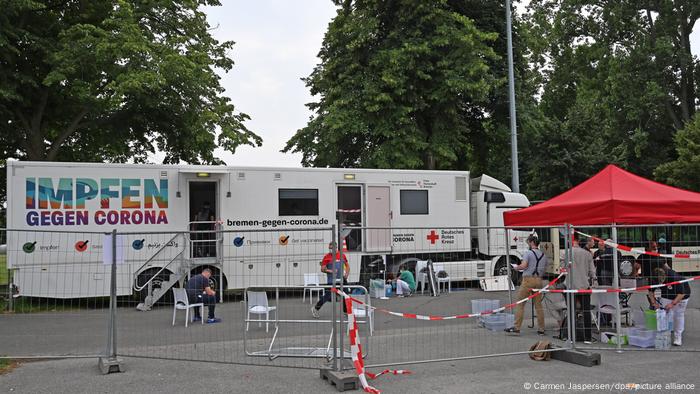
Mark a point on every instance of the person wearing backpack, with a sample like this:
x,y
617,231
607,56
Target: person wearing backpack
x,y
532,266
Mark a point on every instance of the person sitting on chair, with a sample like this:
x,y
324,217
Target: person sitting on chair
x,y
199,290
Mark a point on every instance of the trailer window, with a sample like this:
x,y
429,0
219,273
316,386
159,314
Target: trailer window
x,y
298,202
414,202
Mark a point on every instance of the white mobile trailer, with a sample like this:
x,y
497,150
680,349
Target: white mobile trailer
x,y
417,215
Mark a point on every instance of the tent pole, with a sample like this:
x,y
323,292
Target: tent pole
x,y
616,285
570,324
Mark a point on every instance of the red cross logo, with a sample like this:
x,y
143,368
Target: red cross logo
x,y
432,237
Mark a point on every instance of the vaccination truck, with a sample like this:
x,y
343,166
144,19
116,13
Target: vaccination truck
x,y
269,226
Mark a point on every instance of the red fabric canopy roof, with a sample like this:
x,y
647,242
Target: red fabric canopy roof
x,y
612,196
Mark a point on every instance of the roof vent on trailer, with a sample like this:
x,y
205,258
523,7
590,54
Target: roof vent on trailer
x,y
241,176
278,176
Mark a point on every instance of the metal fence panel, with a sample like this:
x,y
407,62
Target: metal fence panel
x,y
270,261
55,299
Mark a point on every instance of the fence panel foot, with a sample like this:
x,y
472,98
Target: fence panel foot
x,y
342,380
577,357
109,365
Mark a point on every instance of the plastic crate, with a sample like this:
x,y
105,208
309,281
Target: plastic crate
x,y
480,305
498,322
642,341
642,333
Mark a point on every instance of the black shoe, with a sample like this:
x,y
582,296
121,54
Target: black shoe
x,y
540,332
512,331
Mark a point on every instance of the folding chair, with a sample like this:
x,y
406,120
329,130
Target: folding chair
x,y
442,280
421,277
256,302
605,304
311,284
183,303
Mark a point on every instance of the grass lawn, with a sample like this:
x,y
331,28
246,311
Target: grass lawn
x,y
6,365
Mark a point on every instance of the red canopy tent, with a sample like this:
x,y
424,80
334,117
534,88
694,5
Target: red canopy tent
x,y
612,196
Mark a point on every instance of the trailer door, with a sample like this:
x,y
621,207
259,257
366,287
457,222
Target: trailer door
x,y
203,212
378,215
350,199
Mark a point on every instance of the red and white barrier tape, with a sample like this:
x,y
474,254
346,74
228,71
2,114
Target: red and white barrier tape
x,y
356,352
464,316
642,251
356,348
353,332
628,290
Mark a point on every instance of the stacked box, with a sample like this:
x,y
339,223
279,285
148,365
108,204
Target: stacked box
x,y
482,304
499,321
641,337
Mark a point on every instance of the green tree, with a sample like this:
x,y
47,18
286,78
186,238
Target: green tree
x,y
615,82
114,80
401,84
685,170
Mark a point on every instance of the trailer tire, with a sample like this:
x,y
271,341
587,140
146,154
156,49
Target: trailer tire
x,y
144,276
213,280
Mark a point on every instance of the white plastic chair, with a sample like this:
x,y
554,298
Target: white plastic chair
x,y
256,302
182,302
311,283
444,280
365,312
362,312
605,304
421,277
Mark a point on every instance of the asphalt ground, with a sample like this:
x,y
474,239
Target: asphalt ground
x,y
626,372
395,340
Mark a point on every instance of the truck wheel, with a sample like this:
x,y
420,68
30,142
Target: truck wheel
x,y
501,269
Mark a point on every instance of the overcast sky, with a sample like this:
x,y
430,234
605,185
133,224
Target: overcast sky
x,y
276,44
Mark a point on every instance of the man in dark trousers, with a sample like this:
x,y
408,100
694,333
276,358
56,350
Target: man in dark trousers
x,y
199,290
331,267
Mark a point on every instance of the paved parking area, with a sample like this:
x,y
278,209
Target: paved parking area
x,y
490,375
395,340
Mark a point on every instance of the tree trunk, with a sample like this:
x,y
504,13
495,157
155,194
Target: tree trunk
x,y
687,77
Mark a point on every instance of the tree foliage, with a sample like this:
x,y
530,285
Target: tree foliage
x,y
616,80
685,170
114,80
401,84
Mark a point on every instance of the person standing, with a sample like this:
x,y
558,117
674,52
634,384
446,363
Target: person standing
x,y
199,290
532,266
330,265
647,264
405,284
583,276
605,266
674,299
